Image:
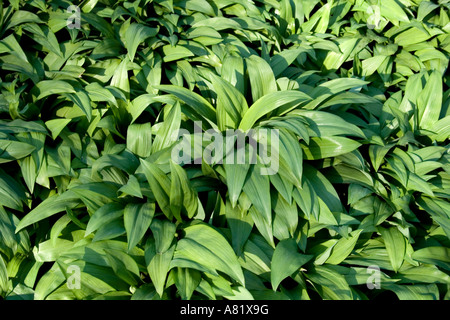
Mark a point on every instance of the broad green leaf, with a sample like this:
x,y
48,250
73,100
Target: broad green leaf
x,y
240,223
132,188
439,256
284,101
231,104
285,261
136,34
343,248
48,87
395,246
104,215
392,10
12,192
329,283
257,189
139,139
124,266
98,93
415,292
326,147
262,79
186,281
164,233
160,185
429,101
334,60
181,192
204,246
324,124
168,131
194,101
137,219
158,267
11,150
95,194
4,287
286,219
81,99
120,76
56,126
49,207
423,274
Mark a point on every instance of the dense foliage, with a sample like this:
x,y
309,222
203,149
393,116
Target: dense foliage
x,y
90,115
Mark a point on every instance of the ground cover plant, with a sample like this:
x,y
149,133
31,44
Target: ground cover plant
x,y
94,93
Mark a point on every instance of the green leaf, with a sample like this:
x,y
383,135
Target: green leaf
x,y
160,185
329,283
342,249
262,79
137,219
284,101
120,77
423,274
231,104
395,246
12,192
186,281
11,150
49,207
81,99
168,131
104,215
4,287
124,266
181,192
392,10
56,126
439,256
241,224
136,34
236,174
285,261
132,188
203,246
257,188
139,139
195,102
158,267
48,87
97,93
415,292
429,101
326,147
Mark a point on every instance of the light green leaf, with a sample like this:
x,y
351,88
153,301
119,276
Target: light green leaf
x,y
136,34
285,261
205,246
104,215
48,87
49,207
343,248
197,103
137,219
139,139
284,101
326,147
439,256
